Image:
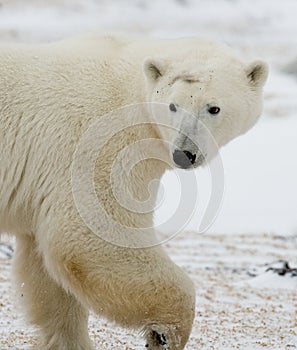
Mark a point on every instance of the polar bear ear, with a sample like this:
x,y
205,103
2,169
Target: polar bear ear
x,y
257,73
153,68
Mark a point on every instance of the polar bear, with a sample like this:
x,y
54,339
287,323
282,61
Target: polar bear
x,y
50,95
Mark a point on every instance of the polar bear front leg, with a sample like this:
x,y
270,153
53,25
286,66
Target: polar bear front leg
x,y
62,320
136,288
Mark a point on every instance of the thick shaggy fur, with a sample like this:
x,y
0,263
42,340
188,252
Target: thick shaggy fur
x,y
49,96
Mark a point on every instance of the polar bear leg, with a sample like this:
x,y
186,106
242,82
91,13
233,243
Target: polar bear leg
x,y
98,273
63,321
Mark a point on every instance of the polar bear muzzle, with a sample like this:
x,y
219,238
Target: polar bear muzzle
x,y
187,159
184,159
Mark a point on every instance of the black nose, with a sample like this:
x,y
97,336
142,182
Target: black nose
x,y
184,159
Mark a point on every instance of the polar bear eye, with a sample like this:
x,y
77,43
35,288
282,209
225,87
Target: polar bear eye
x,y
172,107
214,110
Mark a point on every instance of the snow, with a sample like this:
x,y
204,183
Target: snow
x,y
271,280
277,275
234,311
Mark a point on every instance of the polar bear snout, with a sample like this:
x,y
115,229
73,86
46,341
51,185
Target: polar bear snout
x,y
187,159
183,159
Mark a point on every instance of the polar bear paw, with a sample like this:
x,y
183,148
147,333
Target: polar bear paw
x,y
156,341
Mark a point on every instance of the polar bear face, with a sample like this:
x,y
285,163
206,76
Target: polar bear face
x,y
209,101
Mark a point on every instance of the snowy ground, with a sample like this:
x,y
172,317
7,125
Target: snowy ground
x,y
234,309
260,169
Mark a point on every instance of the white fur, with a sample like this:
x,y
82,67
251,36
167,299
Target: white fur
x,y
49,96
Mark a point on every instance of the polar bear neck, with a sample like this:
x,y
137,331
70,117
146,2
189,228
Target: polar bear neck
x,y
140,183
128,186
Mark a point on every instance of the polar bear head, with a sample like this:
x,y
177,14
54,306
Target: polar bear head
x,y
211,97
